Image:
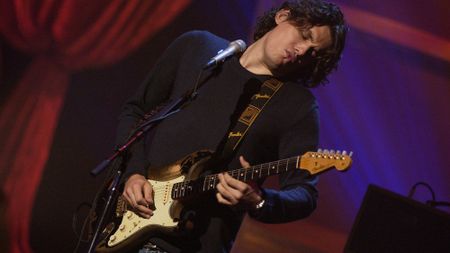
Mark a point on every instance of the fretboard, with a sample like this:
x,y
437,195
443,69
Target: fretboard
x,y
207,183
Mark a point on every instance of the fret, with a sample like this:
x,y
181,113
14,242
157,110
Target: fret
x,y
204,184
189,188
254,170
209,182
183,189
175,191
213,184
271,167
236,174
181,194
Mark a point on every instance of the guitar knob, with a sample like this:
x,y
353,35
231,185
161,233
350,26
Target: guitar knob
x,y
129,215
122,227
112,238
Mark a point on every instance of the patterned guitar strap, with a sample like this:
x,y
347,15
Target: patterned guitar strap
x,y
257,103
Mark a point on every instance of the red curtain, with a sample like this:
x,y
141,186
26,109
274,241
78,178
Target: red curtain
x,y
63,36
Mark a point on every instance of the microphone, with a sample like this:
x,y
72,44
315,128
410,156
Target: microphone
x,y
237,46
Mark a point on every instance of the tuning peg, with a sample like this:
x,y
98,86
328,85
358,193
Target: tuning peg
x,y
344,152
326,151
338,152
319,150
332,151
351,153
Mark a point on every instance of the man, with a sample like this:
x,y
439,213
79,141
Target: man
x,y
299,43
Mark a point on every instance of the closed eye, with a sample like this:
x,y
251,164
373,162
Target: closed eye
x,y
306,35
312,52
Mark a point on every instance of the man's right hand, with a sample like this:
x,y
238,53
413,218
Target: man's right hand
x,y
139,194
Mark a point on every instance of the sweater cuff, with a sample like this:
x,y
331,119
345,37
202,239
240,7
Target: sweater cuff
x,y
268,197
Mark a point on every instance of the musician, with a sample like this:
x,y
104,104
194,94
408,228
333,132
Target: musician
x,y
298,43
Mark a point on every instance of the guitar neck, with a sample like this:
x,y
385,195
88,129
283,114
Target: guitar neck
x,y
207,183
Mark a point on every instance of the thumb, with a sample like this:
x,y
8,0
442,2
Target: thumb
x,y
243,162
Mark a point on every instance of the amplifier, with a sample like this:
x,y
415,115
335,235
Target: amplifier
x,y
390,223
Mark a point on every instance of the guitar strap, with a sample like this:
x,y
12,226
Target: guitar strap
x,y
248,116
257,103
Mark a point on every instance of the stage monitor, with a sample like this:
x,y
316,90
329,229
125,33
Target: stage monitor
x,y
390,223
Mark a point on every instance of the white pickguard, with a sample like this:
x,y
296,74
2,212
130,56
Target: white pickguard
x,y
162,215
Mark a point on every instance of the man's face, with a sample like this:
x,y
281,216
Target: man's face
x,y
288,48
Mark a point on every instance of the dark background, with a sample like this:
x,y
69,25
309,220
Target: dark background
x,y
388,103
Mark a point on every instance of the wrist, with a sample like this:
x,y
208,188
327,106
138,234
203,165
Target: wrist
x,y
259,205
136,175
259,201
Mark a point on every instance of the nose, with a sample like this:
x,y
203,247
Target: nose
x,y
301,48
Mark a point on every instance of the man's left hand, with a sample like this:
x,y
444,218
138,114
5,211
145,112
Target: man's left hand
x,y
231,191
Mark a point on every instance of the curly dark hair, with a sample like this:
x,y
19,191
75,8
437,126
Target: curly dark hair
x,y
306,14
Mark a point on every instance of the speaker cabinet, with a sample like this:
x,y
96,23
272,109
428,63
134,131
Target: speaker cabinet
x,y
390,223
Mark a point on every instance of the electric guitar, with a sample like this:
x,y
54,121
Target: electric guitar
x,y
181,181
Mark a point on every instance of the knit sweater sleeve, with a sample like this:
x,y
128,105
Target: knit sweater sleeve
x,y
298,195
156,89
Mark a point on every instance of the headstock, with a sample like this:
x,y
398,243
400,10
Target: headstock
x,y
316,162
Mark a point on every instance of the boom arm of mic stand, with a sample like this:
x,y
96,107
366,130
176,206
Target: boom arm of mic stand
x,y
165,112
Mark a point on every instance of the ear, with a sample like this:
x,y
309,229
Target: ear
x,y
281,16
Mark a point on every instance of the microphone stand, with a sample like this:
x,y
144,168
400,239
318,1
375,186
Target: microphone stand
x,y
168,110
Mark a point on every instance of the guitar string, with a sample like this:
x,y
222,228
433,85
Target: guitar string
x,y
264,166
235,173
